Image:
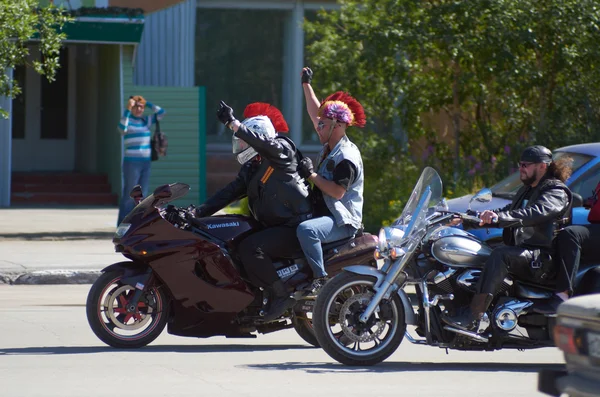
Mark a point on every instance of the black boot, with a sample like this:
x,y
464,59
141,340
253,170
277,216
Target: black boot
x,y
280,301
469,319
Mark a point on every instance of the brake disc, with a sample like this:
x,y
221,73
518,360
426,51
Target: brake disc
x,y
349,319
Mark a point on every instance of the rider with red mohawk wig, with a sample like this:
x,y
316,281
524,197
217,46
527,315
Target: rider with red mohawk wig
x,y
339,177
277,196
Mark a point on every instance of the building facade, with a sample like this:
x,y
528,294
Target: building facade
x,y
241,51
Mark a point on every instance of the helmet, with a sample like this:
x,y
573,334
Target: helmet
x,y
263,119
260,125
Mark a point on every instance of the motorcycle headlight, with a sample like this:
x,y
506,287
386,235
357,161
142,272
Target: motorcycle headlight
x,y
389,236
382,240
122,229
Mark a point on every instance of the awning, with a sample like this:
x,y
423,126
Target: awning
x,y
107,30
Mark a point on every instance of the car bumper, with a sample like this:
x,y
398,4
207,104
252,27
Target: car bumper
x,y
555,383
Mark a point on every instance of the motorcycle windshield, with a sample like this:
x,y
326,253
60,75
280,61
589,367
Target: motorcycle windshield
x,y
426,194
178,190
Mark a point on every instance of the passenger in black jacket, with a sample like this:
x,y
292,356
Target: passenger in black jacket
x,y
530,223
277,197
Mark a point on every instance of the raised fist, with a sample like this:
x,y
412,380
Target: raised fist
x,y
225,113
307,75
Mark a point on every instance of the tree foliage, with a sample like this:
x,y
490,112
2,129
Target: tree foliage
x,y
20,21
461,85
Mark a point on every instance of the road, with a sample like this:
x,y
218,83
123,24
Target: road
x,y
47,349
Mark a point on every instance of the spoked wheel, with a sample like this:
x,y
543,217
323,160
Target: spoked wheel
x,y
339,331
115,322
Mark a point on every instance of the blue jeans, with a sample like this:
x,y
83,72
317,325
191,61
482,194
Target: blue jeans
x,y
313,232
134,173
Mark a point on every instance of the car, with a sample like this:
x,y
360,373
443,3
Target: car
x,y
583,180
577,334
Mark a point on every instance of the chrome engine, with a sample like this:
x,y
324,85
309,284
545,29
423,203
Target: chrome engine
x,y
506,315
468,280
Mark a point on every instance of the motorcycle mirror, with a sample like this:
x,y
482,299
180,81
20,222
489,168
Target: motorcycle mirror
x,y
163,192
442,205
483,196
136,194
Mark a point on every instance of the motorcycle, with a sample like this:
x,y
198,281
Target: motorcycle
x,y
184,271
361,315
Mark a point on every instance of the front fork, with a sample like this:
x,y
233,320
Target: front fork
x,y
140,282
394,279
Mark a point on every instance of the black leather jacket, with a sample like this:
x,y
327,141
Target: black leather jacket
x,y
534,226
276,193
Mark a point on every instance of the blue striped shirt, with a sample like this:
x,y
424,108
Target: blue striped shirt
x,y
137,135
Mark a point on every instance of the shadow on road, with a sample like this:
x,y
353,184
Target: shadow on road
x,y
404,366
148,349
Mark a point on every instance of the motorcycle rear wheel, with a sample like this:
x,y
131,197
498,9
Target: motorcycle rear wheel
x,y
113,324
304,327
339,305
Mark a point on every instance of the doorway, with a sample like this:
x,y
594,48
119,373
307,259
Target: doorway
x,y
43,118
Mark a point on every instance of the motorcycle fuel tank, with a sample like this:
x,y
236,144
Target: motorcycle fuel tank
x,y
460,251
227,227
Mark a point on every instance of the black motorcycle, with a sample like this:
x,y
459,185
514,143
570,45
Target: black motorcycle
x,y
362,314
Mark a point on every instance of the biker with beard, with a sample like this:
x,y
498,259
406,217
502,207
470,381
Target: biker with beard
x,y
277,197
540,207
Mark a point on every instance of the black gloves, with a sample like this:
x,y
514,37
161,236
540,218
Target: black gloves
x,y
307,75
200,211
305,168
225,114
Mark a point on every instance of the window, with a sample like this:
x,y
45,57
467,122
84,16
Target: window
x,y
508,187
585,185
55,103
239,59
309,135
18,105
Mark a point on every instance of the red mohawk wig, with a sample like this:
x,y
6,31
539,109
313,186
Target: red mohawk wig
x,y
342,107
264,109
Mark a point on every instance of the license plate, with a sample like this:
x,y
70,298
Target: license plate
x,y
593,341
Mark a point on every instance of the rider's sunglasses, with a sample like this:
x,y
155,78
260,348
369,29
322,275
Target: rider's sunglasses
x,y
523,164
321,124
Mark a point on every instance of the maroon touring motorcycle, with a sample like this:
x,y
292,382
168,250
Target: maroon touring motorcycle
x,y
185,272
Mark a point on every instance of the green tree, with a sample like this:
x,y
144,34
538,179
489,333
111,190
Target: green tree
x,y
501,74
20,21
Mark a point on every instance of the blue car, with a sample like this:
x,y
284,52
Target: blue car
x,y
583,180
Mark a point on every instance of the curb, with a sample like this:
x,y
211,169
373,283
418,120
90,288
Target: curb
x,y
59,236
49,277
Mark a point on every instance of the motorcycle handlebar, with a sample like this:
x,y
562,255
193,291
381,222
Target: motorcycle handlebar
x,y
475,218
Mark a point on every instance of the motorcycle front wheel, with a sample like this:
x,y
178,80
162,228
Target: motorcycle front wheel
x,y
338,329
114,324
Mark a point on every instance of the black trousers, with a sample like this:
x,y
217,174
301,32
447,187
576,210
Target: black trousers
x,y
575,244
505,260
257,250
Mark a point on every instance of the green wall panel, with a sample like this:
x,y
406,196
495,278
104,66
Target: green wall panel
x,y
184,127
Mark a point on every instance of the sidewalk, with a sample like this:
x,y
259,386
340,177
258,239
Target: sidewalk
x,y
57,223
56,245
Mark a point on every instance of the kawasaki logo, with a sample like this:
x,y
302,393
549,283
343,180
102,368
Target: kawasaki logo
x,y
287,271
221,225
